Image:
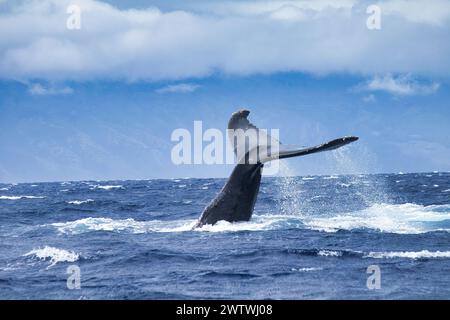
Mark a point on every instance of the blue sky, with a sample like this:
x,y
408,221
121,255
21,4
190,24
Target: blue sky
x,y
101,102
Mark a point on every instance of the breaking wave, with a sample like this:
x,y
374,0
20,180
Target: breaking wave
x,y
20,197
53,255
78,202
423,254
401,219
108,187
392,218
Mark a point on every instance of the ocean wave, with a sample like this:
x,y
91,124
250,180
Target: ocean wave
x,y
121,225
392,218
4,189
306,269
78,202
54,255
133,226
108,187
329,253
345,185
20,197
424,254
400,218
330,177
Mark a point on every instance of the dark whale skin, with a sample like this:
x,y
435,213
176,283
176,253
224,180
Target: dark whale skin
x,y
236,200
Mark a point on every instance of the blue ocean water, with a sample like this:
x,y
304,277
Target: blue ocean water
x,y
309,238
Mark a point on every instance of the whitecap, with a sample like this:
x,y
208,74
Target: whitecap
x,y
306,269
20,197
346,185
4,189
329,253
108,187
121,225
53,254
308,178
78,202
130,225
447,190
393,218
401,218
408,254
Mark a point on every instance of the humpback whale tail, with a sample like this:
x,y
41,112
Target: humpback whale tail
x,y
239,125
236,200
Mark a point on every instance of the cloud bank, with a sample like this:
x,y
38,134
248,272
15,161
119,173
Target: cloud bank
x,y
38,89
401,85
236,38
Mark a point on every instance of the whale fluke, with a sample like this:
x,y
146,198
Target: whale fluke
x,y
236,200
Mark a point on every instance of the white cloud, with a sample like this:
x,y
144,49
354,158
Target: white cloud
x,y
436,12
226,37
400,85
41,90
178,88
369,98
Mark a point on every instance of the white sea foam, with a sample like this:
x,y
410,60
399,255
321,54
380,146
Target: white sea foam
x,y
306,269
108,187
20,197
408,254
398,218
330,177
54,255
225,226
401,218
446,190
132,226
4,189
308,178
329,253
128,225
78,202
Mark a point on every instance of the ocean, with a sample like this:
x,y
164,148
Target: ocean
x,y
314,237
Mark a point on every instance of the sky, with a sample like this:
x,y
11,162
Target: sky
x,y
101,102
